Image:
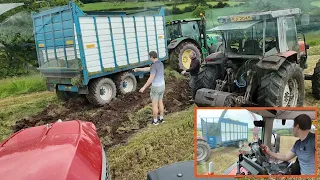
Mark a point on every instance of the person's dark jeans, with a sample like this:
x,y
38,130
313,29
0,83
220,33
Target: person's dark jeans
x,y
192,85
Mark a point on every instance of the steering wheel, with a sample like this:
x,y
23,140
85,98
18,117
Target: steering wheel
x,y
267,42
261,157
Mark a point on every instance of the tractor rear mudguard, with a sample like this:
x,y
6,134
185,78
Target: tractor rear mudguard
x,y
174,43
273,62
181,170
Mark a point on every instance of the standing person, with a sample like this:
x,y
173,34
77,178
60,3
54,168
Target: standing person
x,y
193,70
304,148
157,88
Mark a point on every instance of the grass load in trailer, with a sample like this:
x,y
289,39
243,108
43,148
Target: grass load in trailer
x,y
91,55
224,132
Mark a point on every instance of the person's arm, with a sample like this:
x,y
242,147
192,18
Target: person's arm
x,y
283,157
194,65
153,71
145,69
150,79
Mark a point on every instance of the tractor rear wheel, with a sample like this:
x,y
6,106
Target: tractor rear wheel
x,y
207,77
101,91
282,88
180,56
316,81
203,150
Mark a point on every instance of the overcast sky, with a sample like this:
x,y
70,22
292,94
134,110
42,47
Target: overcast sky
x,y
242,115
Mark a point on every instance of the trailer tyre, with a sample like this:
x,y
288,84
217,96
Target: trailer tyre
x,y
282,88
203,151
180,55
126,82
316,81
101,91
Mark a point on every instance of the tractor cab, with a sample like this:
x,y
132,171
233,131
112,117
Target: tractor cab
x,y
185,36
184,28
263,34
255,161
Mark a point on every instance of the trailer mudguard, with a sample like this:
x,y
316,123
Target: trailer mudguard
x,y
274,62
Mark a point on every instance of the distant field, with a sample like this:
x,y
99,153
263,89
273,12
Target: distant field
x,y
313,38
126,5
315,3
211,15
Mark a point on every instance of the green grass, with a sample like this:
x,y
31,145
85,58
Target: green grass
x,y
15,108
315,3
125,5
313,38
211,15
21,85
154,147
118,5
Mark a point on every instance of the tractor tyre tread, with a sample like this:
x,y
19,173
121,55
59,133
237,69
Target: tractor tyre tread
x,y
207,77
272,85
316,81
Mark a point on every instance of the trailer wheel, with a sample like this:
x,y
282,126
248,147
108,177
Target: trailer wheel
x,y
316,81
282,88
126,82
203,151
101,91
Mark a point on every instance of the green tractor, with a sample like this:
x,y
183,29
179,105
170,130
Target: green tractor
x,y
185,36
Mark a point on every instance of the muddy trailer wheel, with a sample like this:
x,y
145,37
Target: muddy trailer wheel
x,y
101,91
316,81
180,56
282,88
203,151
126,82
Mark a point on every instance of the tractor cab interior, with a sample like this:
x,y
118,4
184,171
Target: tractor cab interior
x,y
256,162
250,38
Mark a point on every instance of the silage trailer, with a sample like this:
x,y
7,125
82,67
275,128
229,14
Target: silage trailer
x,y
93,55
224,132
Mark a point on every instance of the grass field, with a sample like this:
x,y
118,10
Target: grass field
x,y
124,5
313,39
316,3
21,85
211,15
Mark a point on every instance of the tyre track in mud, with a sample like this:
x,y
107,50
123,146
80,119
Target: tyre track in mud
x,y
115,121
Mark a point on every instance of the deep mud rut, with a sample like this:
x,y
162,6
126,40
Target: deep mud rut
x,y
111,120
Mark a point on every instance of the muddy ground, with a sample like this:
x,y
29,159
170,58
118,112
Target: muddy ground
x,y
118,120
